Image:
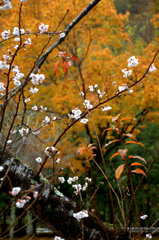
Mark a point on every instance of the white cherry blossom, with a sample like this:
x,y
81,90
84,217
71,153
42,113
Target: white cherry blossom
x,y
84,120
5,34
80,215
2,88
38,159
152,68
132,61
20,203
15,191
43,28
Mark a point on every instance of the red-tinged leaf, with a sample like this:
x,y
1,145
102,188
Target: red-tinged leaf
x,y
129,135
116,118
127,118
114,155
139,171
57,64
74,58
110,142
135,143
119,171
62,54
65,67
110,129
138,157
137,164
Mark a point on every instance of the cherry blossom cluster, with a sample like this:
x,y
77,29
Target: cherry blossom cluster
x,y
80,215
40,109
92,88
24,132
7,5
77,186
76,113
50,151
58,238
87,104
48,120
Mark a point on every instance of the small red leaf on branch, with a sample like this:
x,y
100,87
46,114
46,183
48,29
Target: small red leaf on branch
x,y
119,171
57,64
137,164
135,143
114,155
74,58
139,171
138,157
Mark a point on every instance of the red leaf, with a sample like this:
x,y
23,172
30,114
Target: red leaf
x,y
137,164
116,118
142,159
65,67
119,171
139,171
74,58
129,135
57,64
114,155
135,143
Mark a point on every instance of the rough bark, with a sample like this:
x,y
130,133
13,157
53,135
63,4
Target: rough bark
x,y
54,210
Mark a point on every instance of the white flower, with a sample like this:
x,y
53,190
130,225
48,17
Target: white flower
x,y
76,113
80,215
58,160
6,57
1,168
34,108
91,88
126,72
37,78
46,121
35,194
9,141
62,35
43,28
17,39
20,203
38,159
17,32
50,150
17,83
84,120
15,191
96,85
27,100
106,108
85,186
130,91
122,88
88,179
152,68
16,46
15,69
41,78
81,93
2,88
23,131
143,217
5,34
77,188
61,179
149,236
58,238
34,90
87,104
7,5
132,61
3,65
27,41
70,180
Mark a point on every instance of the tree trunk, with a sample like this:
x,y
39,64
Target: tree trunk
x,y
52,208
